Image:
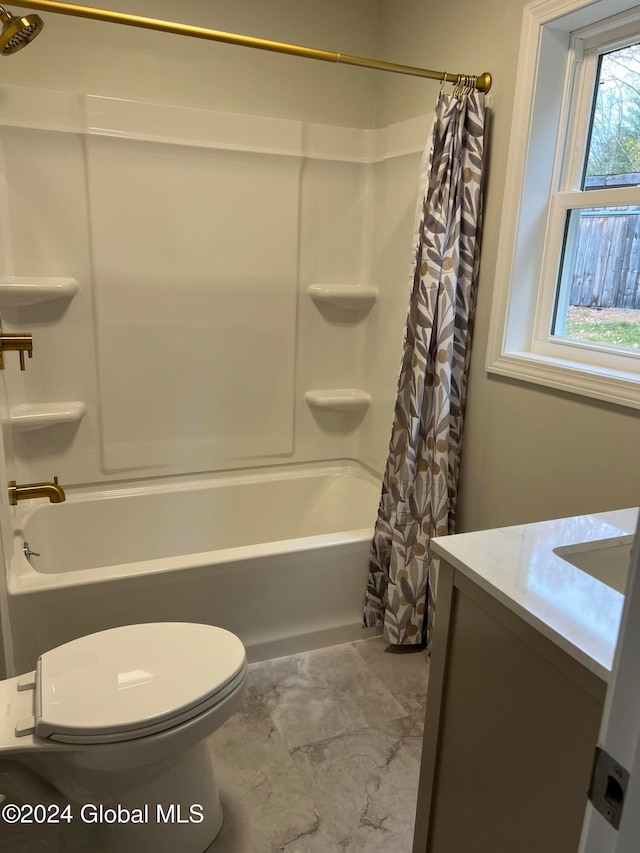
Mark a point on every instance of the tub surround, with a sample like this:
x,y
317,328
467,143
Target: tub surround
x,y
523,646
126,336
209,289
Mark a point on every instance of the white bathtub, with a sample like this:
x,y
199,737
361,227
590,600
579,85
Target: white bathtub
x,y
277,556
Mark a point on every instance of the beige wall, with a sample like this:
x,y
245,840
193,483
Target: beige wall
x,y
529,453
108,59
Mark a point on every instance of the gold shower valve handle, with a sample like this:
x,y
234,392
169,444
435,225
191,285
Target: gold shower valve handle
x,y
22,342
21,357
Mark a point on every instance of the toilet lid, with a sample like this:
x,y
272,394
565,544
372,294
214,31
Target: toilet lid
x,y
128,681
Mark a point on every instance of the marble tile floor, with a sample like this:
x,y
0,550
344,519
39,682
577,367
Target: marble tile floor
x,y
324,755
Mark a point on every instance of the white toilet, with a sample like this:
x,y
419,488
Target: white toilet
x,y
117,723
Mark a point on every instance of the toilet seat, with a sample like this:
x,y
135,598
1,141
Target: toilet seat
x,y
134,681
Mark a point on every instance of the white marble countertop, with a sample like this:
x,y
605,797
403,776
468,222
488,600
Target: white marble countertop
x,y
517,566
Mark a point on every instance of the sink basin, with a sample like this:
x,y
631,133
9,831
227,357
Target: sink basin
x,y
607,560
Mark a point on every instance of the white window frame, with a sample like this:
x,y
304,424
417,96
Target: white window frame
x,y
538,193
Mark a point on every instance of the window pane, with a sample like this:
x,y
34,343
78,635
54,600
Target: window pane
x,y
613,158
598,300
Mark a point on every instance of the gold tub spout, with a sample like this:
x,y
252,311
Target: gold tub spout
x,y
53,491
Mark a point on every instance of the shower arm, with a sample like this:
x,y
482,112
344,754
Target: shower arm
x,y
481,83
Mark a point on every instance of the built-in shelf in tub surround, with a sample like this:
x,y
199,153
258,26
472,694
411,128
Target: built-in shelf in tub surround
x,y
16,291
30,416
339,399
351,297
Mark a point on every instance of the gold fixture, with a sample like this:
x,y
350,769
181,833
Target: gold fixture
x,y
22,342
53,491
482,83
17,32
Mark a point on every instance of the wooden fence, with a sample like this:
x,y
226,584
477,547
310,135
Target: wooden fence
x,y
607,271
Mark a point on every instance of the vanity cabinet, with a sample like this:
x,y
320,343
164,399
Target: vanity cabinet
x,y
510,729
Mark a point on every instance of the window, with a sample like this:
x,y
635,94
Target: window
x,y
597,296
566,310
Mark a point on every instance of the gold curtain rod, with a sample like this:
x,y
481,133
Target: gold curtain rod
x,y
482,83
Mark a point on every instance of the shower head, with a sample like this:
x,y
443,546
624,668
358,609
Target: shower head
x,y
17,32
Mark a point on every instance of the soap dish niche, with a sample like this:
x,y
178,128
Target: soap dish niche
x,y
31,416
348,297
339,399
20,291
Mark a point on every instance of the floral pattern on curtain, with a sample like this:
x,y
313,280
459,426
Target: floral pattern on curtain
x,y
419,489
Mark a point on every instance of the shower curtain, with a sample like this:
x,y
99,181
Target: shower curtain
x,y
419,488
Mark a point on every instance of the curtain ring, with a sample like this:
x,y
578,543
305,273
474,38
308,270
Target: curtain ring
x,y
443,81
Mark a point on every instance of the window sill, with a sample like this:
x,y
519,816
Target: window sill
x,y
598,383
